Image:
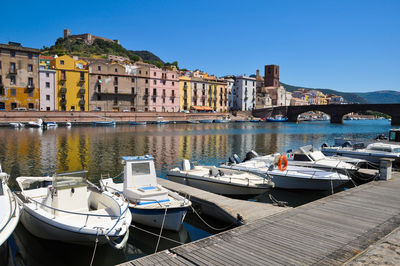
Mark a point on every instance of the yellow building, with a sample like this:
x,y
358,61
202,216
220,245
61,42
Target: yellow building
x,y
222,96
72,83
185,93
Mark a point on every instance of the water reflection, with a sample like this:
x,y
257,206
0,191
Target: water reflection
x,y
99,149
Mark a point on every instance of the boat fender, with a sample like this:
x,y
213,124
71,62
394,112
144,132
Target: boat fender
x,y
72,190
221,173
283,163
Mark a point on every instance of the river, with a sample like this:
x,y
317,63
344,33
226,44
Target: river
x,y
35,152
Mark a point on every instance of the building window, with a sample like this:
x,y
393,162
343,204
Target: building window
x,y
13,92
30,56
140,71
115,101
99,68
116,70
47,97
12,80
12,68
173,76
155,82
133,80
47,108
133,91
154,74
30,81
47,75
12,53
115,80
61,62
82,76
116,90
47,84
0,64
99,88
30,68
173,83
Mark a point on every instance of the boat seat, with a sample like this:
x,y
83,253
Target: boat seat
x,y
150,192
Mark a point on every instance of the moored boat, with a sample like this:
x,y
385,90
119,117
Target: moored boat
x,y
72,210
277,118
289,177
220,181
16,125
9,209
37,124
206,121
137,123
150,203
104,123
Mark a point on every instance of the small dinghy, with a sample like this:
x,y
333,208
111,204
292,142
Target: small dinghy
x,y
37,124
49,125
220,181
16,125
72,210
150,203
9,209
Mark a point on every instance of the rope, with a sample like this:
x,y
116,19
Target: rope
x,y
214,228
162,226
154,234
95,247
277,202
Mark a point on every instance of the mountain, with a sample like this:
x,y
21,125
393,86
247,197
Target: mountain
x,y
348,96
98,49
385,96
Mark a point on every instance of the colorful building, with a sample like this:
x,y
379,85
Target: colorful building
x,y
47,84
19,85
72,83
185,92
164,90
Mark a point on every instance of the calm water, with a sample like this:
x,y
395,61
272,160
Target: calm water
x,y
35,152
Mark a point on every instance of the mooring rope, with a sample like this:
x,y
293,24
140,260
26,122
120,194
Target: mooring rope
x,y
214,228
154,234
162,226
95,247
277,202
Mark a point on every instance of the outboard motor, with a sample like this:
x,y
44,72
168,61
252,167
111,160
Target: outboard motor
x,y
185,165
250,155
324,145
231,160
236,158
346,144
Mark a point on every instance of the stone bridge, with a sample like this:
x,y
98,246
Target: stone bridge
x,y
335,111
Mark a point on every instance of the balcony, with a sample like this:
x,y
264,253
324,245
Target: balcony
x,y
82,91
185,86
115,83
154,96
30,87
63,101
81,102
63,90
12,71
185,96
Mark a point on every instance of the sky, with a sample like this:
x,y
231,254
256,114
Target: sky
x,y
345,45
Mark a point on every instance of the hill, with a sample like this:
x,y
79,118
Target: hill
x,y
385,96
99,49
348,96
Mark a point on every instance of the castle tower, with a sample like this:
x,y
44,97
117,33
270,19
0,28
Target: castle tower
x,y
271,77
67,33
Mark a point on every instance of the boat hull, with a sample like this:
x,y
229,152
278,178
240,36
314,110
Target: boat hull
x,y
154,217
287,182
42,229
218,188
137,123
365,156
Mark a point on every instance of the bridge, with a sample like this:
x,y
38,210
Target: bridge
x,y
335,111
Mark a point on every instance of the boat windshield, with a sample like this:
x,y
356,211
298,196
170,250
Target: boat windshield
x,y
141,168
68,181
396,150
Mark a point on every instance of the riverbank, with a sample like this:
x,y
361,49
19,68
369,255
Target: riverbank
x,y
83,118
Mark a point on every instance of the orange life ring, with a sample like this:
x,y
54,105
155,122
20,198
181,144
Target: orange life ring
x,y
285,163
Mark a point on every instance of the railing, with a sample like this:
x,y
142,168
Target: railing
x,y
12,70
14,208
81,102
63,90
30,86
82,91
63,101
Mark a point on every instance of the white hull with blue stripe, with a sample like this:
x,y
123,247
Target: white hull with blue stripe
x,y
150,203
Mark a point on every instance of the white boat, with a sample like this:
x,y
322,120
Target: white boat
x,y
160,120
220,181
193,122
72,210
306,156
294,177
16,125
9,209
68,124
50,125
37,124
150,203
374,152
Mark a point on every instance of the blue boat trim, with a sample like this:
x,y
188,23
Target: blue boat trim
x,y
137,158
157,211
151,202
148,188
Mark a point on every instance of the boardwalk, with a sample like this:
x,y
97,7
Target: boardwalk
x,y
224,208
330,231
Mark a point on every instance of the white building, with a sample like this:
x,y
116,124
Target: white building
x,y
243,94
229,87
47,80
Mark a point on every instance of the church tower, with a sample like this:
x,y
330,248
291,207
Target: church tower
x,y
271,77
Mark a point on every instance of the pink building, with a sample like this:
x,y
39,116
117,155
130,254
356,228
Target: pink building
x,y
163,90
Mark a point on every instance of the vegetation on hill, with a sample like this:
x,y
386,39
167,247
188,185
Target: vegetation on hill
x,y
100,49
386,96
349,97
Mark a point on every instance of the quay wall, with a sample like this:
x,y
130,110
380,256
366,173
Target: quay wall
x,y
120,117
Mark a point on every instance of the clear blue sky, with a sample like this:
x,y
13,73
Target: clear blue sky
x,y
343,44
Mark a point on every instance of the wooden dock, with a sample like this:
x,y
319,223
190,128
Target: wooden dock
x,y
223,208
330,231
